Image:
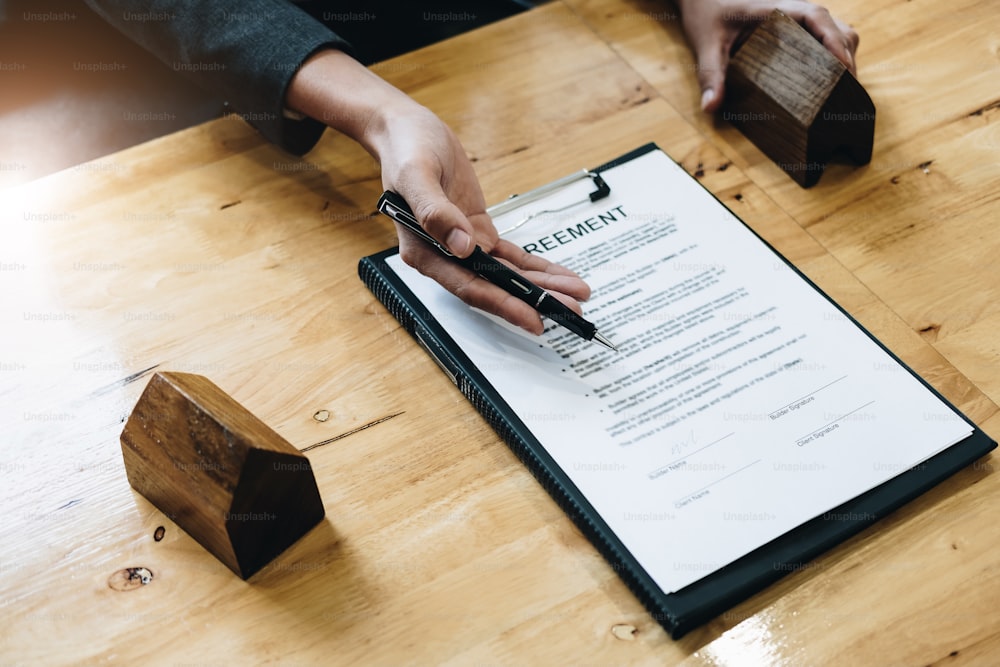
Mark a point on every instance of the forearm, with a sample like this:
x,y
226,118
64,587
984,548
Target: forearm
x,y
336,90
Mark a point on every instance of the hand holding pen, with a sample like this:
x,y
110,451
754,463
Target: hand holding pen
x,y
498,274
422,159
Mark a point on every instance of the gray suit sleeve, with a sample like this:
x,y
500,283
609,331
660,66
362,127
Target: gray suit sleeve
x,y
247,50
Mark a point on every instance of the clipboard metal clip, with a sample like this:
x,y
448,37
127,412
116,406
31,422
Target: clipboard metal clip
x,y
516,201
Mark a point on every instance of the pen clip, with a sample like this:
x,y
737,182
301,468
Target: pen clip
x,y
394,206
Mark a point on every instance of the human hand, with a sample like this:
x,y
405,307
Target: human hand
x,y
713,27
423,161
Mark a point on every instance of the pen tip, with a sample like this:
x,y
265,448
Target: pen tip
x,y
600,338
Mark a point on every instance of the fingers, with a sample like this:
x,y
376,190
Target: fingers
x,y
547,275
470,288
839,38
426,165
477,292
714,27
710,38
713,58
437,214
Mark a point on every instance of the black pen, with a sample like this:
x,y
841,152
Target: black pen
x,y
497,273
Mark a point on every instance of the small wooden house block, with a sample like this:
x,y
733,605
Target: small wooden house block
x,y
233,484
797,102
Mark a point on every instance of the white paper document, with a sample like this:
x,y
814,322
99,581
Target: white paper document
x,y
741,404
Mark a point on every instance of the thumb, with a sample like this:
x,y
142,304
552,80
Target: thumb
x,y
439,217
713,58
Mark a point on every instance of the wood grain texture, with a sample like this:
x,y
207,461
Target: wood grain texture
x,y
796,102
233,484
212,252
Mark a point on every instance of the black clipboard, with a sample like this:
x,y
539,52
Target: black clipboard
x,y
689,607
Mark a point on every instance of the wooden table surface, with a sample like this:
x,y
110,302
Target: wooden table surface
x,y
210,251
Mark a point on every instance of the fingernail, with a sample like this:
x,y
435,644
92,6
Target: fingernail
x,y
458,242
706,98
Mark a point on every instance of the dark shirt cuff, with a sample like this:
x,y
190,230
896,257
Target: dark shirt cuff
x,y
244,51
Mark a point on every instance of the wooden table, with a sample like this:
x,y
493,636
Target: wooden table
x,y
210,251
